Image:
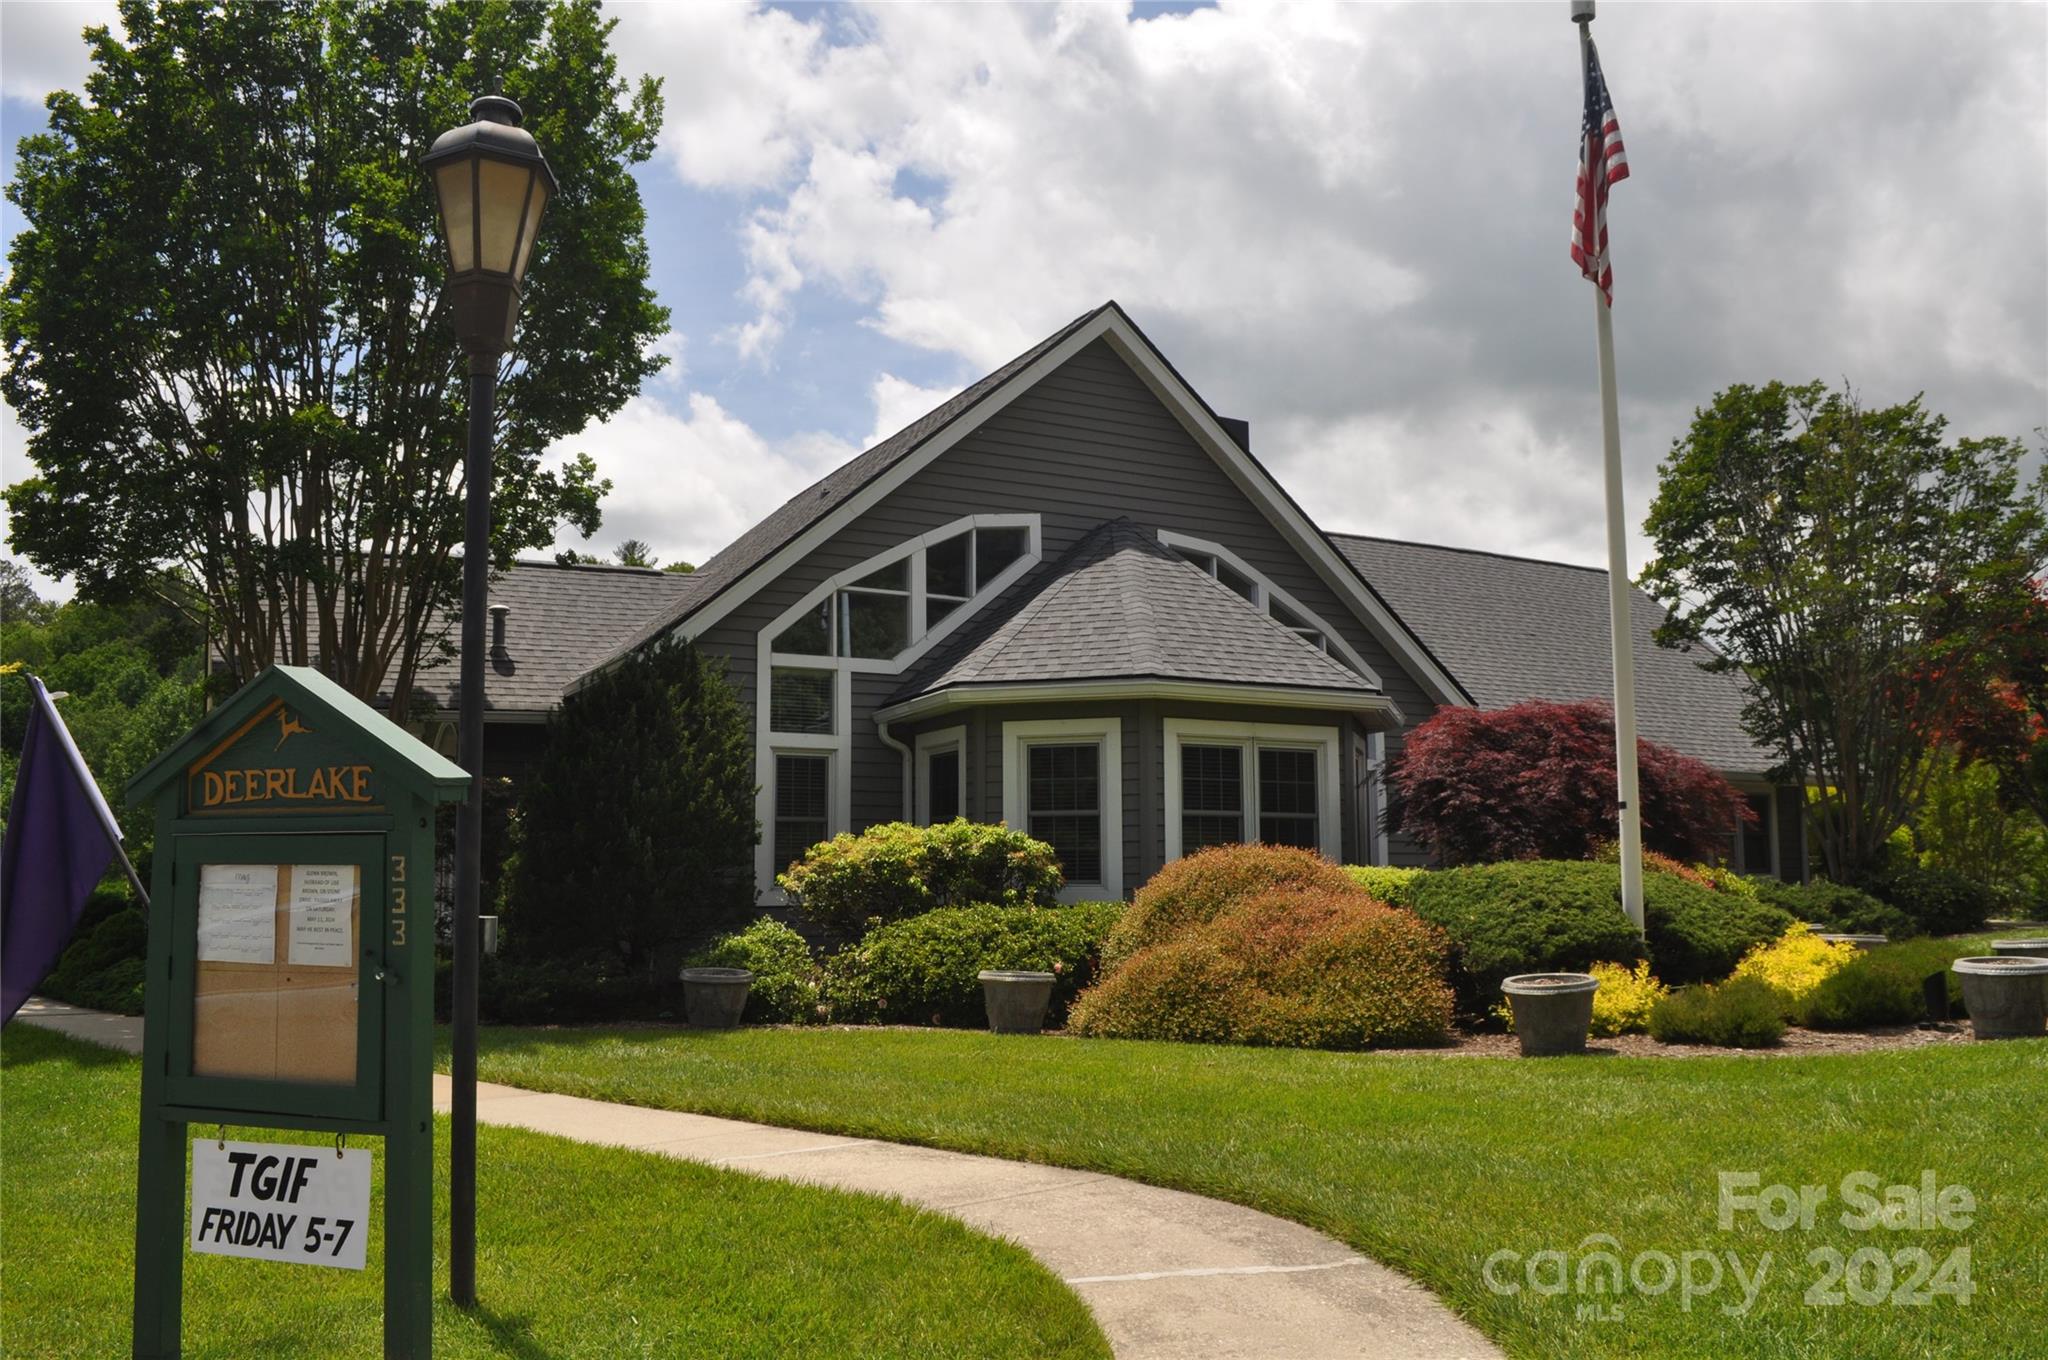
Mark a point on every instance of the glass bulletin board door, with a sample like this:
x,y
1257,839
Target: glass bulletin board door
x,y
277,981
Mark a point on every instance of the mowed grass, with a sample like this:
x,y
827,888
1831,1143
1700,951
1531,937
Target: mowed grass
x,y
1432,1164
584,1252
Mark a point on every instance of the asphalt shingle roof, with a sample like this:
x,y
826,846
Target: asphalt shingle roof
x,y
810,505
562,619
1119,605
1512,628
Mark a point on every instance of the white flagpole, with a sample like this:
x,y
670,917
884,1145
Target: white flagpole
x,y
1620,632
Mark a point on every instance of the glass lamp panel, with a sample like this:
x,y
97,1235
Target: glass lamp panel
x,y
533,215
501,195
458,214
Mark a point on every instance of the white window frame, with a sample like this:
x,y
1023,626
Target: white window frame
x,y
840,744
835,766
1248,738
1108,736
938,743
1267,593
1376,758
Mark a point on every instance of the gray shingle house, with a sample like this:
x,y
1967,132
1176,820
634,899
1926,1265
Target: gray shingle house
x,y
1071,599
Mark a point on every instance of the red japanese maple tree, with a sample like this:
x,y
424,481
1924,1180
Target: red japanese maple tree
x,y
1536,781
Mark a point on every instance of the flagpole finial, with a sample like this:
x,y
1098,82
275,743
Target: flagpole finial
x,y
1582,11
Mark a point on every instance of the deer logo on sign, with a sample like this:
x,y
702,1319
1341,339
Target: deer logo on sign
x,y
287,728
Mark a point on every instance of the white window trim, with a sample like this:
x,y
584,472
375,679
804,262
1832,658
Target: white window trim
x,y
840,744
1376,757
1247,737
922,640
836,769
937,743
1108,735
1269,593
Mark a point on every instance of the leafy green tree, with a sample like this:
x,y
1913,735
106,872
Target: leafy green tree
x,y
224,329
1851,565
636,552
637,830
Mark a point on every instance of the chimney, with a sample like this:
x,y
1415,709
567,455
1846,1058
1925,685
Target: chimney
x,y
1240,430
499,613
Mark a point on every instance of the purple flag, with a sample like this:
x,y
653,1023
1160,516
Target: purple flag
x,y
61,836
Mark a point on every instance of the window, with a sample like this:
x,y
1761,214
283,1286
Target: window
x,y
801,701
942,792
1757,838
1213,559
1268,782
1211,797
1063,783
1287,797
802,803
876,615
1064,806
940,769
1296,624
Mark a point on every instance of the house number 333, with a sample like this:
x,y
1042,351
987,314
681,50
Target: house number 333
x,y
398,887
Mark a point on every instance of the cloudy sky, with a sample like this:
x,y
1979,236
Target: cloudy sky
x,y
1347,224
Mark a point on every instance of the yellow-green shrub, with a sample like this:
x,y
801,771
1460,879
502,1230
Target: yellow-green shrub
x,y
1795,963
1289,968
1197,888
1625,999
1388,884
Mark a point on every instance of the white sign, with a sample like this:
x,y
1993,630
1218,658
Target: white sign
x,y
322,907
238,913
281,1202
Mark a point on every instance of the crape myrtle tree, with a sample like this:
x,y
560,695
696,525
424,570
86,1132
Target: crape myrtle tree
x,y
1860,571
637,830
1536,781
223,318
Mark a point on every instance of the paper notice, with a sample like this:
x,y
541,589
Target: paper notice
x,y
238,913
322,916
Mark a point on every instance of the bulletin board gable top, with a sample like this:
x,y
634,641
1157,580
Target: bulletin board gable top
x,y
292,741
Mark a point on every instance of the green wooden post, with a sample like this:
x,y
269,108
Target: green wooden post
x,y
294,771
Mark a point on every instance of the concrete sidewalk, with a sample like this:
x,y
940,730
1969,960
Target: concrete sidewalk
x,y
1170,1276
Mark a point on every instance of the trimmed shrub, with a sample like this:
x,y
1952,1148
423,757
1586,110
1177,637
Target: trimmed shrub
x,y
1197,888
103,965
1940,901
637,830
579,989
923,971
1697,934
786,977
1794,964
1837,906
1865,993
895,870
1385,884
1293,968
1530,917
1536,781
1625,999
1740,1013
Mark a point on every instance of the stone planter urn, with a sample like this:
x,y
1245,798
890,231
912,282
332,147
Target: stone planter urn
x,y
1552,1011
2006,994
1860,941
2023,949
1016,1000
715,998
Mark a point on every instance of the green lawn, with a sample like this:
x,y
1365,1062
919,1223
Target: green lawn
x,y
585,1252
1433,1163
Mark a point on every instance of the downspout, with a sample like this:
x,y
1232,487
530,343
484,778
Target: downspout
x,y
890,741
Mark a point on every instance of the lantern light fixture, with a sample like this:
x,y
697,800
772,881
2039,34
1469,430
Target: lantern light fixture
x,y
493,185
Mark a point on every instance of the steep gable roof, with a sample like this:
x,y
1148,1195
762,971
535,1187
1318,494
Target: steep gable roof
x,y
810,517
1515,628
1119,606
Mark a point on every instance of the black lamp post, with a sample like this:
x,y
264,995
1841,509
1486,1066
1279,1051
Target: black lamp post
x,y
493,187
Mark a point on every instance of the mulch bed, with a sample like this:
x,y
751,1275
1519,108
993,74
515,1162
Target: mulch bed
x,y
1797,1043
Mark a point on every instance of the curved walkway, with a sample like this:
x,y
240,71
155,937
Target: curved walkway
x,y
1169,1275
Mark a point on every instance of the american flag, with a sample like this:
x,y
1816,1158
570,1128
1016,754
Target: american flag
x,y
1601,162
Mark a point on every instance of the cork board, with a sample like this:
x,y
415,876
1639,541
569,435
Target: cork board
x,y
275,989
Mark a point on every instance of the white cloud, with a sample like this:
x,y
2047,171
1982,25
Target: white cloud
x,y
41,47
898,402
1347,223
